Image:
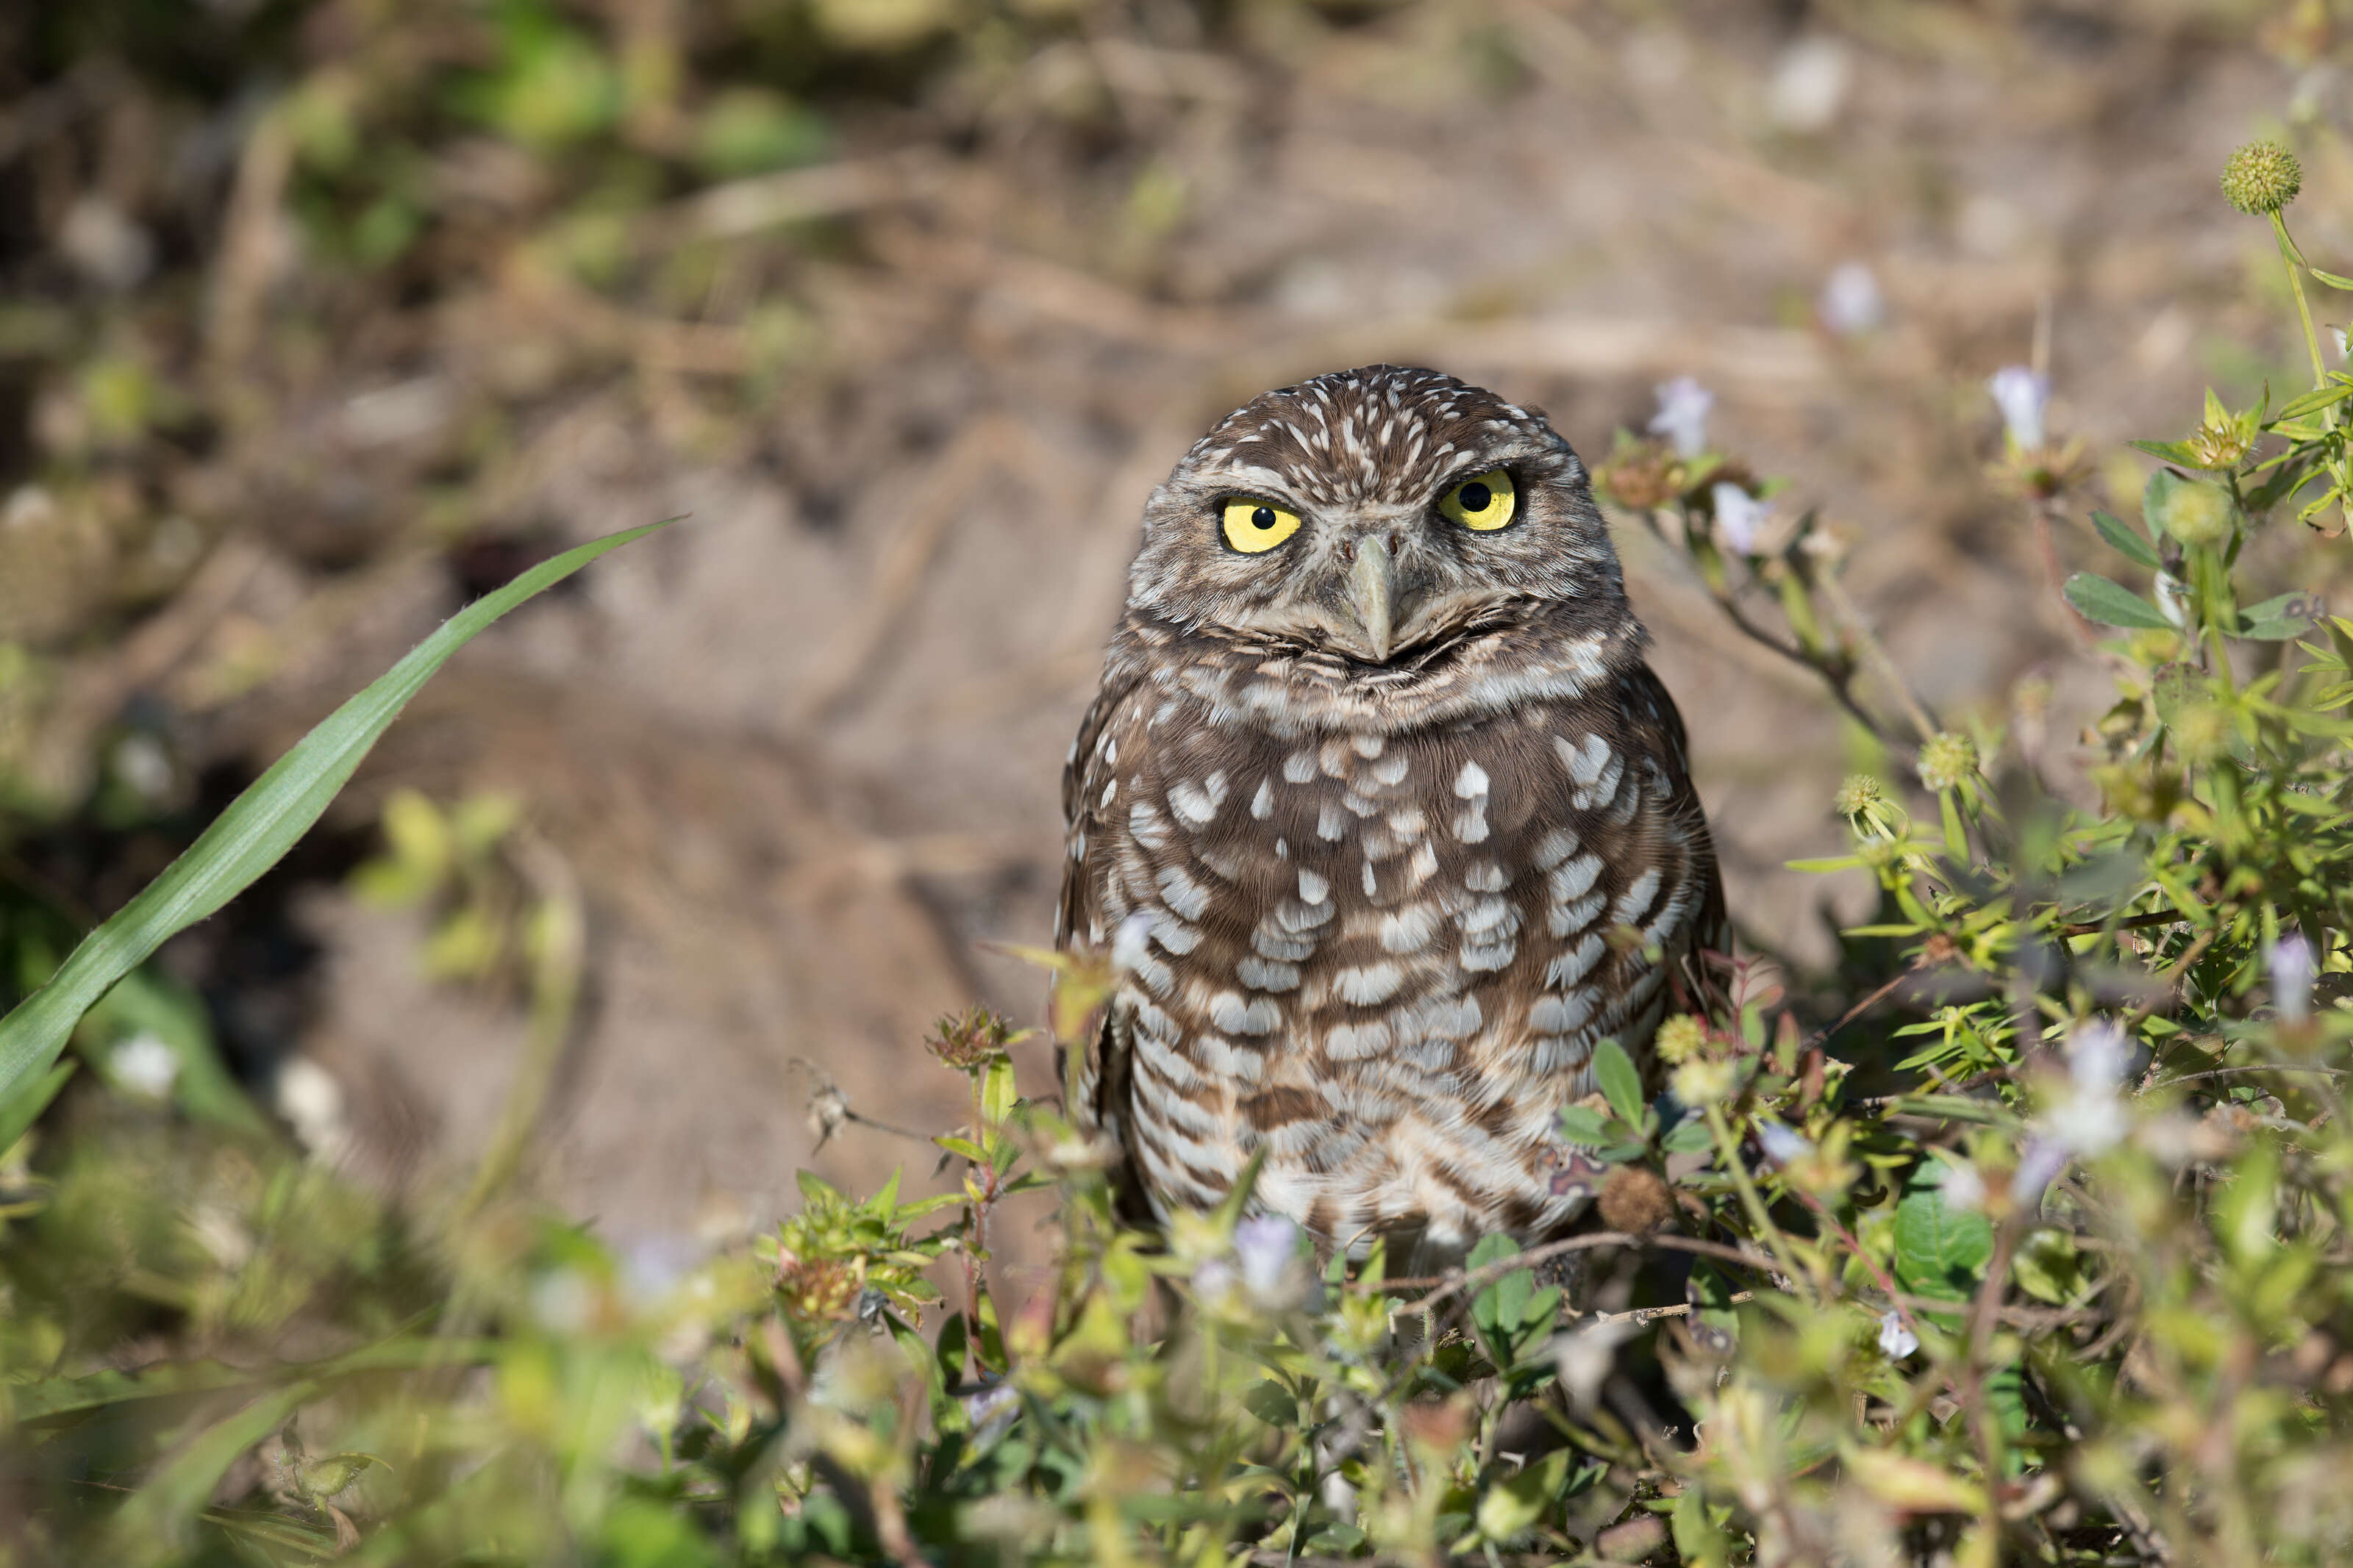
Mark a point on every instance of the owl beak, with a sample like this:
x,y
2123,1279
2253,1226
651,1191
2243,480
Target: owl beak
x,y
1371,586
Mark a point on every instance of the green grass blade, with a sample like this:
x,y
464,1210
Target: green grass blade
x,y
257,828
18,1111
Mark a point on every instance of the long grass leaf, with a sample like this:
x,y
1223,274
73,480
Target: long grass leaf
x,y
257,828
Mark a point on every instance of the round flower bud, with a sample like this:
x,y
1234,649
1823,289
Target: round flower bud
x,y
2195,513
1947,760
2262,177
1860,792
1701,1082
1679,1039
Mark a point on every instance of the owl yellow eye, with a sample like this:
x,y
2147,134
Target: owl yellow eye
x,y
1252,526
1484,501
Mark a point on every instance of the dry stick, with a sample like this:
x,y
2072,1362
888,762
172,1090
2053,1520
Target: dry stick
x,y
1857,1011
1922,719
1650,1315
2134,922
1455,1281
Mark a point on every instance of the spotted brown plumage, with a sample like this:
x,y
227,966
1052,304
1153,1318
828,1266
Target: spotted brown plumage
x,y
1386,824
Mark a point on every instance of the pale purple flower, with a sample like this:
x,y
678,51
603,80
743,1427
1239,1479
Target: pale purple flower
x,y
1683,416
1739,517
1895,1341
2023,396
1850,304
1781,1144
2293,968
990,1412
1266,1246
653,1264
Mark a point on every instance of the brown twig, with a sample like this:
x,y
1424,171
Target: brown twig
x,y
1455,1281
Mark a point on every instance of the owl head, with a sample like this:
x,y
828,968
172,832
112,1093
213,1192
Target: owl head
x,y
1374,513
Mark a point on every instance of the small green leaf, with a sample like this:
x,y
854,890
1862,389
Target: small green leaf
x,y
2281,618
1688,1136
996,1093
1583,1125
2048,1266
2171,451
2333,279
1517,1502
2312,401
2131,545
1273,1403
2112,604
1940,1247
1622,1084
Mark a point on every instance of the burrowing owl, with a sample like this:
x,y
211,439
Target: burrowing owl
x,y
1383,816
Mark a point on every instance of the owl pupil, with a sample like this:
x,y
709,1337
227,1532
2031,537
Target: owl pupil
x,y
1476,496
1262,518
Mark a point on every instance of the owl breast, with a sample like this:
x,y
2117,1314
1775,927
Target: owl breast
x,y
1381,954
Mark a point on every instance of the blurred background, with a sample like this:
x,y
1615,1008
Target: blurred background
x,y
319,317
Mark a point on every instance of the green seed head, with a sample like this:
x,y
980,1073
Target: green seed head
x,y
1679,1039
2196,513
2262,177
1701,1082
1860,792
1947,760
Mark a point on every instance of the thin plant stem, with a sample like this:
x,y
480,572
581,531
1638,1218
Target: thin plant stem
x,y
2290,257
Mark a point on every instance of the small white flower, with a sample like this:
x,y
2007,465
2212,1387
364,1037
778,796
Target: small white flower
x,y
1584,1358
2171,602
1964,1188
1809,86
1850,304
2293,968
2088,1116
2099,1054
1781,1144
2338,334
1127,943
2037,1169
1895,1341
1266,1247
2023,396
144,1065
1739,517
1214,1279
1683,416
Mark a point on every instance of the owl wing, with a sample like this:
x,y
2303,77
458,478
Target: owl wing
x,y
1658,729
1094,819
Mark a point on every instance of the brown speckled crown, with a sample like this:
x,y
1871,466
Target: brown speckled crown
x,y
1378,912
